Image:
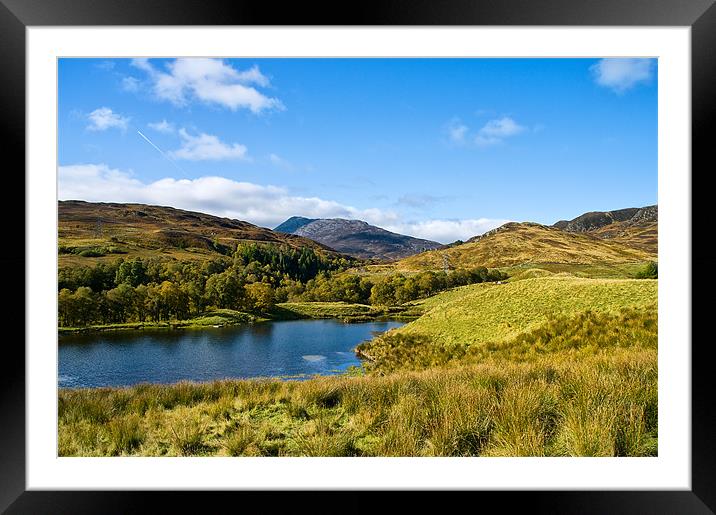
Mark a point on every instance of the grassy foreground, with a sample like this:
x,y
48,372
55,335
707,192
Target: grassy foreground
x,y
578,385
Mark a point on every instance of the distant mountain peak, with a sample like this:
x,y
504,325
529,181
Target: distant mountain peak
x,y
356,237
293,223
595,220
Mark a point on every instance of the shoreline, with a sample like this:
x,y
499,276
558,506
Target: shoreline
x,y
285,312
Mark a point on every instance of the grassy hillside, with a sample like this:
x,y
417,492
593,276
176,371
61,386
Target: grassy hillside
x,y
634,227
590,389
520,243
593,271
569,370
644,237
489,312
544,364
89,232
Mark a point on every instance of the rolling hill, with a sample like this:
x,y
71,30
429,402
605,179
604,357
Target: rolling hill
x,y
515,244
490,312
89,231
636,227
357,238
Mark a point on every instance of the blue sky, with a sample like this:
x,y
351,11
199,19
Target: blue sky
x,y
436,148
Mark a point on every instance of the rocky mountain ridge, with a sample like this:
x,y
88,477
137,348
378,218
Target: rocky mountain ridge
x,y
357,238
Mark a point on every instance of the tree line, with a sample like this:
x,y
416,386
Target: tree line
x,y
253,279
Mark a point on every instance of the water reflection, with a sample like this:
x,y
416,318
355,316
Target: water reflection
x,y
288,348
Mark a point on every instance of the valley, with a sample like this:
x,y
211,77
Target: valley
x,y
526,340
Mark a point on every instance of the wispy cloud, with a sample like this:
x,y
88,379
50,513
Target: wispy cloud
x,y
206,147
163,126
104,118
447,231
263,205
419,201
492,133
457,131
497,130
211,81
621,75
130,84
280,162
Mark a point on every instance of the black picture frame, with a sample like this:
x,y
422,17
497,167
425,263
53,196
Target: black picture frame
x,y
17,15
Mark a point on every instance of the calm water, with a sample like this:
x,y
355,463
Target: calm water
x,y
296,347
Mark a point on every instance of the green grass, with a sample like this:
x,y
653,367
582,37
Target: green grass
x,y
328,309
561,337
544,366
490,312
342,310
604,405
594,271
220,317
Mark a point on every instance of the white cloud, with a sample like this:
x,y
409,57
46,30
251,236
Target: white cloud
x,y
206,147
78,182
447,231
457,131
495,131
130,84
263,205
142,63
163,126
104,118
211,81
621,75
280,162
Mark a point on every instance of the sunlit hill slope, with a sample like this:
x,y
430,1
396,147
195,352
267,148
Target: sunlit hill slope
x,y
519,243
90,232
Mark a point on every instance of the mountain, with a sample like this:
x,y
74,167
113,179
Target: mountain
x,y
108,230
293,224
636,226
595,220
527,243
357,238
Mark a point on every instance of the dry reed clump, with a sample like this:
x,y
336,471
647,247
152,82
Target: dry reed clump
x,y
602,405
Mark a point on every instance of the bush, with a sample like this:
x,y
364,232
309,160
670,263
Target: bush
x,y
91,253
650,271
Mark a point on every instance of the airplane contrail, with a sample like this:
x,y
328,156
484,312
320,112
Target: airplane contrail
x,y
161,151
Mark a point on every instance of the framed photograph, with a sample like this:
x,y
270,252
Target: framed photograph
x,y
414,249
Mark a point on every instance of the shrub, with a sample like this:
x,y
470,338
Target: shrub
x,y
650,271
91,253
